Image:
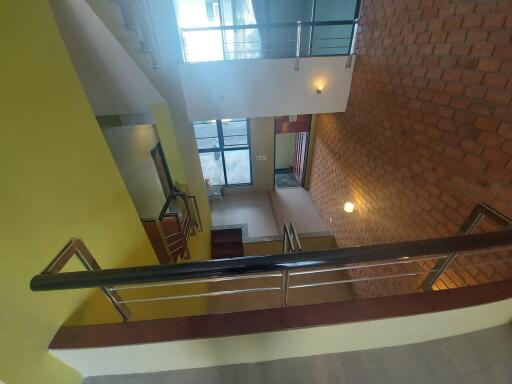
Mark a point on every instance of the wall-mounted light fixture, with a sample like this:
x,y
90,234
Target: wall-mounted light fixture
x,y
319,88
348,207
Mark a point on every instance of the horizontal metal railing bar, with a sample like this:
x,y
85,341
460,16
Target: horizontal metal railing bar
x,y
331,38
285,49
475,265
266,50
345,281
277,42
401,261
297,286
196,281
332,47
261,264
357,266
260,42
292,25
174,242
205,294
406,274
173,235
177,249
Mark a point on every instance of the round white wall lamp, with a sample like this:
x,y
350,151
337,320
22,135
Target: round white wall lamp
x,y
348,207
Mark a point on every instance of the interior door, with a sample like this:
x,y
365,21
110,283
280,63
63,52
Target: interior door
x,y
299,164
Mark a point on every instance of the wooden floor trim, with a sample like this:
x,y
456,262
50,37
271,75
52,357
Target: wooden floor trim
x,y
240,323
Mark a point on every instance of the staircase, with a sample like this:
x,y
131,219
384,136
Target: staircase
x,y
169,232
226,243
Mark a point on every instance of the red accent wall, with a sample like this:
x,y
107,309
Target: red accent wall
x,y
284,125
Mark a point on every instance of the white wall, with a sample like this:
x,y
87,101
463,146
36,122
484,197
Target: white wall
x,y
112,81
285,147
265,87
131,148
267,346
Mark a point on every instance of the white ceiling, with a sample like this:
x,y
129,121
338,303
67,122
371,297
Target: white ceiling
x,y
112,81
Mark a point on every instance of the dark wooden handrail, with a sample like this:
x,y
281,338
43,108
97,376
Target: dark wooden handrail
x,y
262,264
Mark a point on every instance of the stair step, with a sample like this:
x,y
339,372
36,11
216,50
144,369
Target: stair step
x,y
227,250
226,235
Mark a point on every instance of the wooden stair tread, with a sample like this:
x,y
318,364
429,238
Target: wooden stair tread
x,y
226,243
226,235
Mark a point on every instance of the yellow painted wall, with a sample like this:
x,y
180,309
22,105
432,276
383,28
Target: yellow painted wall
x,y
58,180
96,310
171,121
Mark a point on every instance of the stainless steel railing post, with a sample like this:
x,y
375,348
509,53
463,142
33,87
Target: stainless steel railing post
x,y
285,284
297,48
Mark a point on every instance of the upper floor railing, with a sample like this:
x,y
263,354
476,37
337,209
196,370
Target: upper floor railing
x,y
273,40
389,268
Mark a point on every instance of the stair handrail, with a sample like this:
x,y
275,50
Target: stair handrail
x,y
281,265
291,240
195,214
76,247
260,264
479,212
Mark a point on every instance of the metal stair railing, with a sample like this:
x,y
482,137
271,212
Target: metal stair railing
x,y
404,257
479,212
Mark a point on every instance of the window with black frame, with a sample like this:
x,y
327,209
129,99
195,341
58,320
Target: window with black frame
x,y
225,151
248,29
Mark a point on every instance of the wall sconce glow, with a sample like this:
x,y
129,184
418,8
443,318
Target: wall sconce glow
x,y
348,207
319,88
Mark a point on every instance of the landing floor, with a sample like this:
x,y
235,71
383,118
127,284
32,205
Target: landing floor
x,y
263,213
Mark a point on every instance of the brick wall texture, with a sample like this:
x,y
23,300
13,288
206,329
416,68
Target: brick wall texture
x,y
427,132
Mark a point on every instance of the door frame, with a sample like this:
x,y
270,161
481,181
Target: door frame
x,y
306,155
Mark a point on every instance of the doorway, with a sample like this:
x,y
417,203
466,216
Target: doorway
x,y
291,147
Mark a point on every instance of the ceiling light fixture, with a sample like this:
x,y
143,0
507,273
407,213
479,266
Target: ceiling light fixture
x,y
348,207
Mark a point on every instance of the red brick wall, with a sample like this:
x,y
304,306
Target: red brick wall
x,y
428,128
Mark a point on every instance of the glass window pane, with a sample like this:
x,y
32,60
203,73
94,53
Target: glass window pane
x,y
209,143
331,39
327,10
238,166
242,44
235,132
235,141
234,127
206,134
211,164
197,13
202,45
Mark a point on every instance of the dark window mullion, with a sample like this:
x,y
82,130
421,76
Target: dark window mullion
x,y
224,168
221,146
220,134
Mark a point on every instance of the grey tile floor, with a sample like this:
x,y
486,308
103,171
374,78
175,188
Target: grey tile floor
x,y
473,358
285,180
